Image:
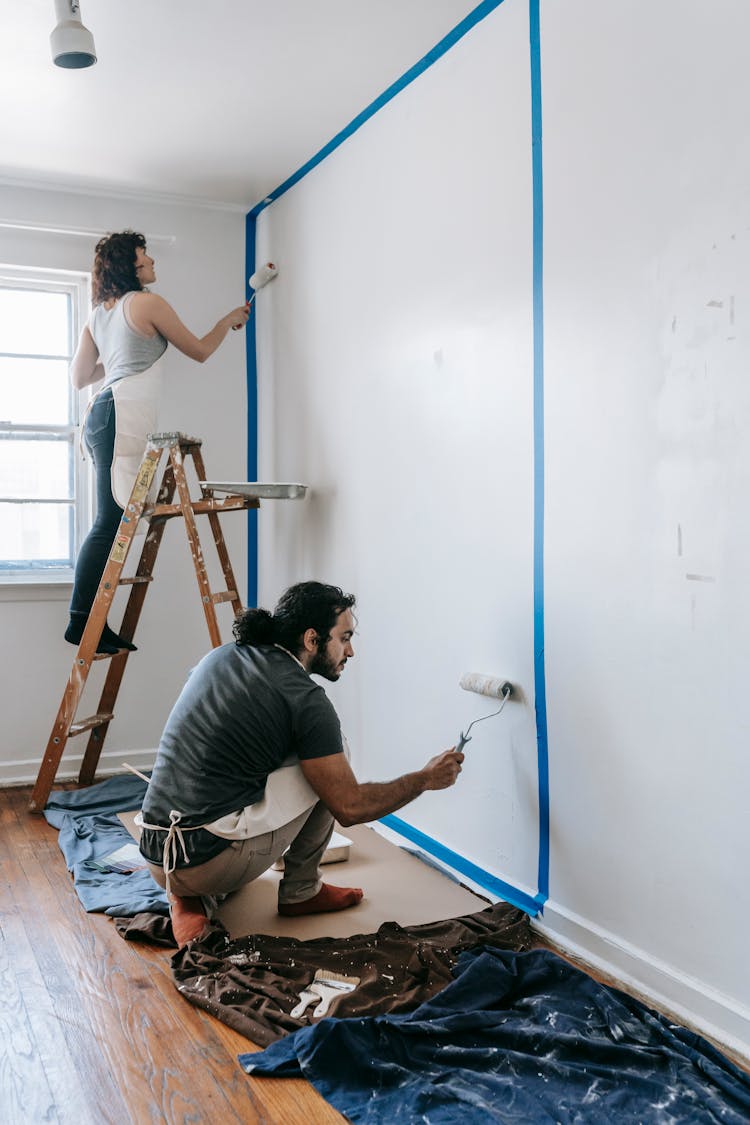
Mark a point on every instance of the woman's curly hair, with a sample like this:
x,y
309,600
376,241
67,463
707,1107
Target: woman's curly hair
x,y
114,266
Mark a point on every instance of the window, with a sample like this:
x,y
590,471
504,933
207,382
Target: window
x,y
44,488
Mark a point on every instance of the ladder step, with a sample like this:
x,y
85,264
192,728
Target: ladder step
x,y
202,507
90,723
135,580
224,596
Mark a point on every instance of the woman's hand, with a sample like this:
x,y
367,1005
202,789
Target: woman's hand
x,y
239,317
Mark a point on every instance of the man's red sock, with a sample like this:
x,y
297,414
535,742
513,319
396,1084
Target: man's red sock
x,y
189,919
325,901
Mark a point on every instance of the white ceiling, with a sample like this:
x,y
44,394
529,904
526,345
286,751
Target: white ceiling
x,y
218,100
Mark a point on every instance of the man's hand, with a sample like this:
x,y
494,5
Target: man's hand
x,y
354,802
442,771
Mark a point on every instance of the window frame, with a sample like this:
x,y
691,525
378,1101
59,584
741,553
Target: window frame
x,y
77,286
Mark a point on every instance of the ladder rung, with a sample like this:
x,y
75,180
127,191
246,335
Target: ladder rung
x,y
202,507
224,596
110,655
88,724
135,580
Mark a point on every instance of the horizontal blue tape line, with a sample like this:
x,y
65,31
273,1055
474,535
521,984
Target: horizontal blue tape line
x,y
458,32
478,875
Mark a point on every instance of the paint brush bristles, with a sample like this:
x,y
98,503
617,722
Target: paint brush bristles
x,y
336,980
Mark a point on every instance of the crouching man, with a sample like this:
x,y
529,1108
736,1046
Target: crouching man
x,y
252,762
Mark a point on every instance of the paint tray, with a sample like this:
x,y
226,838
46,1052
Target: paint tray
x,y
336,852
257,489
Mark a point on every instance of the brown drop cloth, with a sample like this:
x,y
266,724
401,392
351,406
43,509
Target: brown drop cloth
x,y
253,982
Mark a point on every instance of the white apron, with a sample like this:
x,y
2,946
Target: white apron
x,y
287,795
136,401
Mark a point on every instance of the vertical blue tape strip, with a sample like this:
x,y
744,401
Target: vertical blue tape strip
x,y
474,17
540,684
252,417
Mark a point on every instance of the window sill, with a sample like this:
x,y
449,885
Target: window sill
x,y
31,587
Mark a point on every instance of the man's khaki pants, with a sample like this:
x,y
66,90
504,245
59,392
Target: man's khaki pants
x,y
306,837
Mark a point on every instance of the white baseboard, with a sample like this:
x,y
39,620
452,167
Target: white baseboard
x,y
23,771
692,1002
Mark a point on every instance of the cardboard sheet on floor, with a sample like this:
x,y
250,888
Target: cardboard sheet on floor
x,y
398,887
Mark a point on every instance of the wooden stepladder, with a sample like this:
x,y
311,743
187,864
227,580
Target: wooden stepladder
x,y
165,507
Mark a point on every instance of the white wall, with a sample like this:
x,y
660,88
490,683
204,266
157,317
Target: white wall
x,y
202,274
647,208
396,380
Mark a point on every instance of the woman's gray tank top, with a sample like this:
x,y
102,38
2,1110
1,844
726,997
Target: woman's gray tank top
x,y
122,350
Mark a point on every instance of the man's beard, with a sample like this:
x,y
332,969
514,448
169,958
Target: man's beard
x,y
323,665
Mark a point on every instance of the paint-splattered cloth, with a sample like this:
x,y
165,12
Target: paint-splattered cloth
x,y
89,831
253,983
515,1038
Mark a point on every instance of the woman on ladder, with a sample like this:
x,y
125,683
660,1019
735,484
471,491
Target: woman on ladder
x,y
126,336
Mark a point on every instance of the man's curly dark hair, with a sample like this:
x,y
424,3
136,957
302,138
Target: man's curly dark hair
x,y
114,273
308,605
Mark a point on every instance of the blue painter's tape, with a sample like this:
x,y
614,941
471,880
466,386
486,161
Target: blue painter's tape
x,y
252,417
482,878
540,684
474,17
477,874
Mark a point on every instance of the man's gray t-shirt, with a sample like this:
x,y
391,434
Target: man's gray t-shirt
x,y
242,712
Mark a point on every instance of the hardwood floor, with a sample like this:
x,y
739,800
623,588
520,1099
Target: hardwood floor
x,y
92,1029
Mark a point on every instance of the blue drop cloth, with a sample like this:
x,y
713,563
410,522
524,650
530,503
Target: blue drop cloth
x,y
517,1038
123,793
90,830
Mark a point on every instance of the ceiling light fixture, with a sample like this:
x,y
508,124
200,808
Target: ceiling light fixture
x,y
72,43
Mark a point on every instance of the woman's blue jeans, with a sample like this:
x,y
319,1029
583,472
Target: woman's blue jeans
x,y
99,435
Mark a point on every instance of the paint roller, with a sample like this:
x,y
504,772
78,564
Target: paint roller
x,y
260,278
484,685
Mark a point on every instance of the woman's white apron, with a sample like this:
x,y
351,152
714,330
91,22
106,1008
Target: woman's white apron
x,y
136,401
